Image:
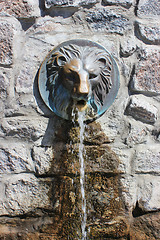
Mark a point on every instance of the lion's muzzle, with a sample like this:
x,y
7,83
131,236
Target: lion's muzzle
x,y
76,80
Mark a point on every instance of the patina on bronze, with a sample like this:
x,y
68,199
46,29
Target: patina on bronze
x,y
78,74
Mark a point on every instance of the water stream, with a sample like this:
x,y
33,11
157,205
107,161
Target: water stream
x,y
81,116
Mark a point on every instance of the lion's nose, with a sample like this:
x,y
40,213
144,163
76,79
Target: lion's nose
x,y
83,87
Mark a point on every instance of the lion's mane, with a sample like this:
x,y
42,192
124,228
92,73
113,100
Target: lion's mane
x,y
100,59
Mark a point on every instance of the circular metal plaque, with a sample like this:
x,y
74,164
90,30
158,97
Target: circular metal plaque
x,y
78,74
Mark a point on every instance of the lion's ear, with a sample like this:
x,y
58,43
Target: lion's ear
x,y
61,60
102,61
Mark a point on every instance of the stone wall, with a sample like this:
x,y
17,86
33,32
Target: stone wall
x,y
35,158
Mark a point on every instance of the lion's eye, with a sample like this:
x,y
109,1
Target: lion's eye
x,y
92,75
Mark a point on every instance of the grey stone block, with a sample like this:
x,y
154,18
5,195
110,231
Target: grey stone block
x,y
148,8
69,3
140,109
22,128
107,21
123,3
15,158
128,46
146,78
148,194
20,8
147,159
148,34
6,43
42,158
24,193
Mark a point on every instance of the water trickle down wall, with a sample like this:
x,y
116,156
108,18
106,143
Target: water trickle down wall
x,y
39,182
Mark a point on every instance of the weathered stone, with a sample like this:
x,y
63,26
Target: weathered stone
x,y
42,159
148,192
24,128
142,189
15,158
146,77
20,8
103,205
117,229
6,43
25,79
128,47
140,109
147,159
8,105
70,3
23,193
148,8
64,159
136,135
156,133
146,227
94,135
123,3
4,83
129,190
125,156
24,228
148,34
108,21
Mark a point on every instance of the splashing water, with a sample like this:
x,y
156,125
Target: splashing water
x,y
82,174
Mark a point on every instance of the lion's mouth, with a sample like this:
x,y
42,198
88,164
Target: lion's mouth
x,y
81,105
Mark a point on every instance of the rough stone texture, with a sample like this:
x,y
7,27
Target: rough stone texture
x,y
129,191
42,159
70,3
4,83
25,79
23,193
136,135
123,3
140,109
147,159
31,129
148,192
20,8
63,158
15,158
128,47
148,8
148,34
6,43
108,21
146,227
146,76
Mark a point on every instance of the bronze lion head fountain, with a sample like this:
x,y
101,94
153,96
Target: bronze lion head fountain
x,y
78,74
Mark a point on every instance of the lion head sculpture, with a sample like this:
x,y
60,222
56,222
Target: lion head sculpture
x,y
78,74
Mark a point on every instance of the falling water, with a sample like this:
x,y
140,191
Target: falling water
x,y
82,174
